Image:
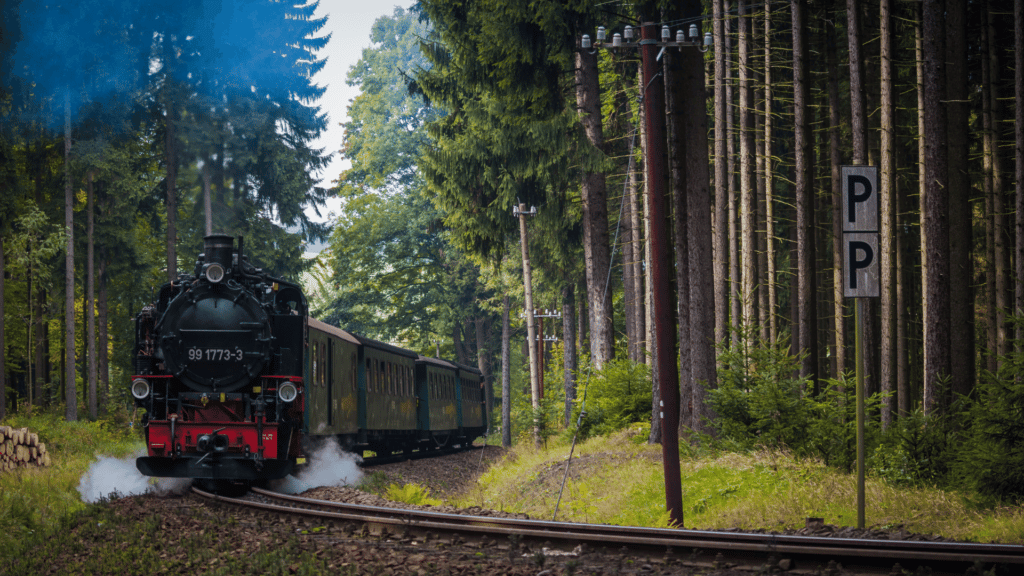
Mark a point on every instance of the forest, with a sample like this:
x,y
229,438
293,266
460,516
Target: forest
x,y
155,129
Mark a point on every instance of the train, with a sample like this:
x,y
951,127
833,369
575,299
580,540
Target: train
x,y
238,383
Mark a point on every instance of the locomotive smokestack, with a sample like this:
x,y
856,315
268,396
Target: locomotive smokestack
x,y
218,249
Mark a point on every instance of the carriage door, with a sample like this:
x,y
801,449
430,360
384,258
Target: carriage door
x,y
330,383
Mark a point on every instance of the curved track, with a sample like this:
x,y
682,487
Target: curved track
x,y
696,548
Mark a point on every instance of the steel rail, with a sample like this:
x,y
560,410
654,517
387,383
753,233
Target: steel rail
x,y
740,549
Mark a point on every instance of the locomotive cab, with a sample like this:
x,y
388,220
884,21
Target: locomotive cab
x,y
219,372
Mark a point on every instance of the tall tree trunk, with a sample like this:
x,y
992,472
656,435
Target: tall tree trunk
x,y
569,361
961,271
648,284
998,193
698,208
677,112
595,215
104,353
987,139
506,375
921,152
904,278
483,363
171,151
3,336
1018,48
764,311
629,297
835,161
748,238
935,222
29,305
676,125
887,205
721,228
207,204
807,303
90,296
735,275
640,304
859,130
70,396
794,292
41,374
769,182
631,247
582,318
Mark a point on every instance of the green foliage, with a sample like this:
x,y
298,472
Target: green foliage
x,y
394,275
36,501
992,456
758,399
501,71
761,402
375,482
917,450
411,494
548,417
384,137
617,396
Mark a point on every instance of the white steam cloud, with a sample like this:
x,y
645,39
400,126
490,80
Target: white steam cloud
x,y
119,476
329,465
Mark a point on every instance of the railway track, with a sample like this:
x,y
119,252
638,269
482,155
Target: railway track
x,y
687,548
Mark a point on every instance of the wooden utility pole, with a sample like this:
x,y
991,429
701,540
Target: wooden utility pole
x,y
531,332
661,270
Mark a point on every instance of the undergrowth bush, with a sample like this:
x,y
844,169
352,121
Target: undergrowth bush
x,y
761,401
34,500
411,494
992,458
918,450
617,396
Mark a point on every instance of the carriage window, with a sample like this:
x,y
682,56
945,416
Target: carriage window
x,y
354,366
316,347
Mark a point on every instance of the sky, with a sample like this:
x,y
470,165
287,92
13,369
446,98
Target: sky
x,y
348,22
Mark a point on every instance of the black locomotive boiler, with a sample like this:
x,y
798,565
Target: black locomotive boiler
x,y
237,381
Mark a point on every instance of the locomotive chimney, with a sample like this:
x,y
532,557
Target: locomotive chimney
x,y
218,249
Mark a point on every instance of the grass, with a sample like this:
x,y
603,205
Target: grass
x,y
97,540
38,500
617,480
411,494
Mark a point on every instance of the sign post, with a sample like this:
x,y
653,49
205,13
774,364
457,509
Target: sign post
x,y
860,279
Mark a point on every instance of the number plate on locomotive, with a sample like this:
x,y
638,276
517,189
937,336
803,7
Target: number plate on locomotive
x,y
197,354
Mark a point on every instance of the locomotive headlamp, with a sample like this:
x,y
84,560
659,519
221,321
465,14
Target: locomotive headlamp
x,y
214,273
287,392
140,388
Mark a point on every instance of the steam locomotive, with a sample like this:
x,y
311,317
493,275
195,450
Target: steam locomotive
x,y
238,382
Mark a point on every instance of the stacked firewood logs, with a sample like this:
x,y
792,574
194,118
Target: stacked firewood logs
x,y
19,447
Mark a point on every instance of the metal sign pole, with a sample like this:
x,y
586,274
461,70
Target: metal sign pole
x,y
860,273
859,344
